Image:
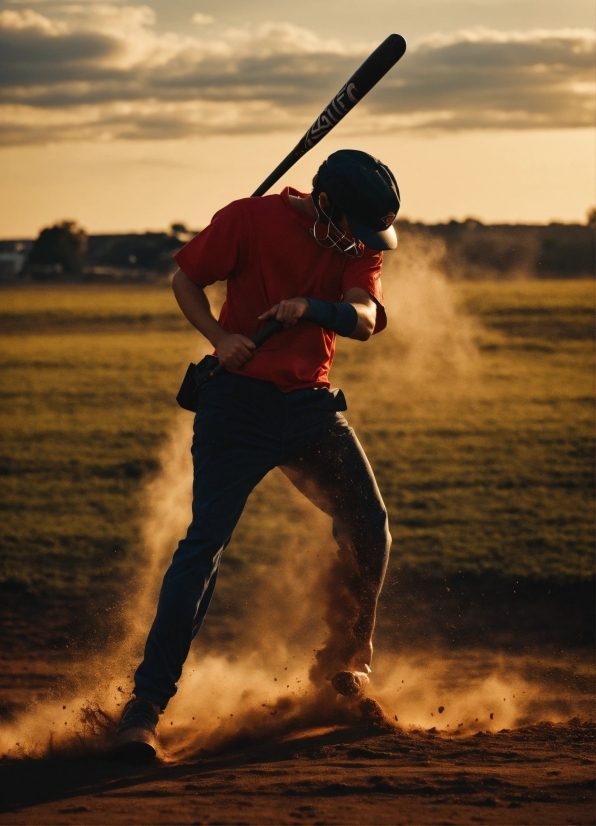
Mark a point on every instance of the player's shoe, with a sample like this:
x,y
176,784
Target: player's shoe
x,y
350,683
136,741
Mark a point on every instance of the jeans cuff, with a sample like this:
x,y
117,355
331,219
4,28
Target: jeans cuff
x,y
158,699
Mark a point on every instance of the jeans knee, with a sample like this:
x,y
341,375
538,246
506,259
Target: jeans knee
x,y
367,532
379,527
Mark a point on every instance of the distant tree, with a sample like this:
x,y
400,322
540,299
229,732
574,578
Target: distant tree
x,y
178,229
62,246
591,217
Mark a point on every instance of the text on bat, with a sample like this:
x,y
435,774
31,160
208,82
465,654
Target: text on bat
x,y
332,114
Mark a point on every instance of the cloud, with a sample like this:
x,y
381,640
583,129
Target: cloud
x,y
200,19
484,78
101,71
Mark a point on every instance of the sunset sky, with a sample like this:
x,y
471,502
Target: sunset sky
x,y
130,117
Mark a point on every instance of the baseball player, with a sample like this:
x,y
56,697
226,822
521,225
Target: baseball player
x,y
313,262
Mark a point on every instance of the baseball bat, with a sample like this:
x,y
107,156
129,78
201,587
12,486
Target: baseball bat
x,y
362,81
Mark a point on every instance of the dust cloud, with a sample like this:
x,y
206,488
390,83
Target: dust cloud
x,y
428,333
271,686
167,514
84,709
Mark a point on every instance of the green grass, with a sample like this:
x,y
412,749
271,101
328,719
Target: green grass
x,y
490,468
84,411
485,460
42,306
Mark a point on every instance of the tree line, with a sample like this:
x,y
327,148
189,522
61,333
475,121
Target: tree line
x,y
468,249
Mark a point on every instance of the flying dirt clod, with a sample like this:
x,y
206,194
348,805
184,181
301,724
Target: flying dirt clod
x,y
350,683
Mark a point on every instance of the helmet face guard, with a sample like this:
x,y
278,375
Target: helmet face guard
x,y
328,234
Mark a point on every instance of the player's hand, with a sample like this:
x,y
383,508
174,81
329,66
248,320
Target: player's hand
x,y
234,350
289,311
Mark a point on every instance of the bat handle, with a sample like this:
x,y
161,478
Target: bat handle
x,y
261,337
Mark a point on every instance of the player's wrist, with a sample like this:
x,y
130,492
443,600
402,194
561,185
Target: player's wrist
x,y
303,304
340,317
218,336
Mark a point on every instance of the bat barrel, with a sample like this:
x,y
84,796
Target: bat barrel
x,y
362,81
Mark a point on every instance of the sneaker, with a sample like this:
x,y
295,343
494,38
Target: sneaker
x,y
136,741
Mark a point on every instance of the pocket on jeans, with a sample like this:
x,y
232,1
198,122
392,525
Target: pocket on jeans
x,y
339,399
320,399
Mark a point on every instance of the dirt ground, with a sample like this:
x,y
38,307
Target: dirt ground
x,y
357,773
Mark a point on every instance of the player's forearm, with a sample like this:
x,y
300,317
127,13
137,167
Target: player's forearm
x,y
354,317
366,323
195,305
366,309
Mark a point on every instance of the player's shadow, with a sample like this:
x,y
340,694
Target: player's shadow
x,y
26,783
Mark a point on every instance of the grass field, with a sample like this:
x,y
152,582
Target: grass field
x,y
477,417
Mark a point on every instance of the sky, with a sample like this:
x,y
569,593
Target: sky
x,y
128,117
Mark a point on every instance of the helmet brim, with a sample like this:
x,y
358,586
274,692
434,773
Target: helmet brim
x,y
385,239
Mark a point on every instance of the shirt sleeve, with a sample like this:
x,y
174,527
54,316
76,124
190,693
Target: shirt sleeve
x,y
365,272
214,254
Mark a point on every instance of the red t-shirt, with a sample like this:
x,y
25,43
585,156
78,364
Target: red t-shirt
x,y
263,247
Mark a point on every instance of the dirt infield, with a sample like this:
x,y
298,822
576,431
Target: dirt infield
x,y
536,775
353,771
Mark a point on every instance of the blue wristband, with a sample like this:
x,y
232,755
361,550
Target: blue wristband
x,y
340,317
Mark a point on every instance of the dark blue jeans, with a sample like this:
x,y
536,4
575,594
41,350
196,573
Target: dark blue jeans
x,y
243,429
